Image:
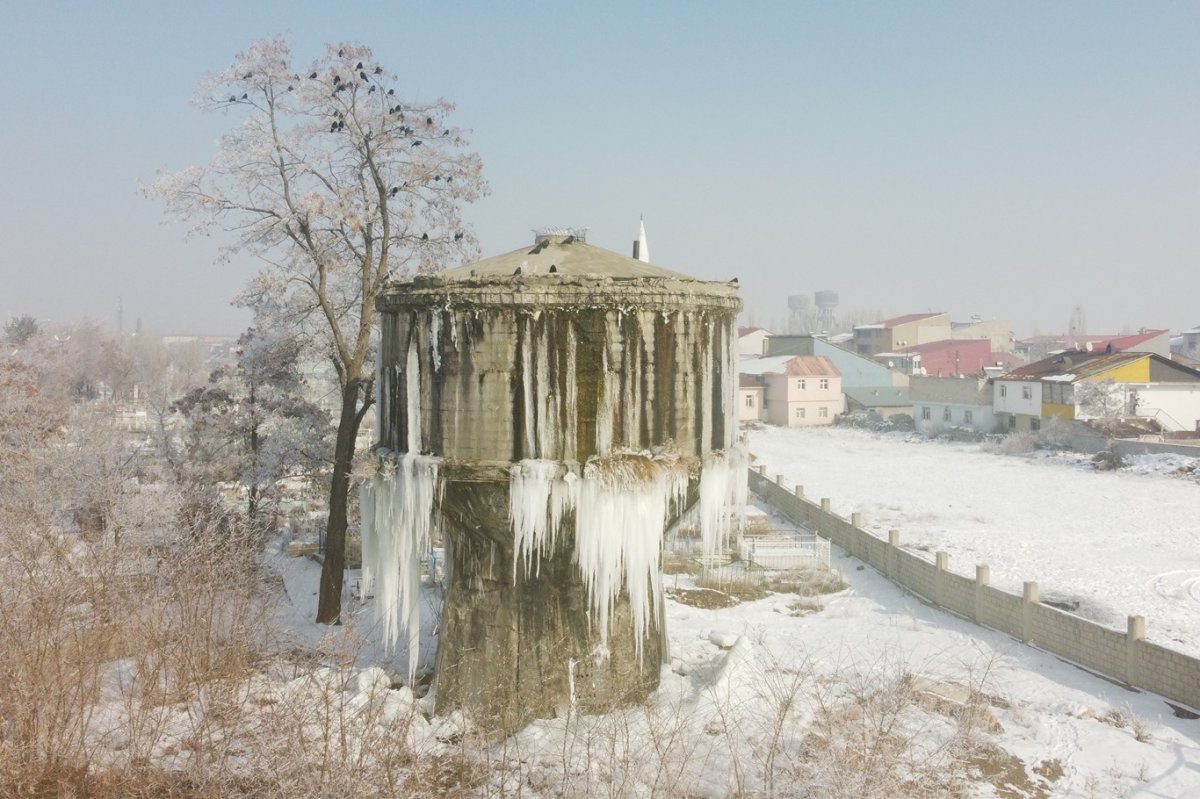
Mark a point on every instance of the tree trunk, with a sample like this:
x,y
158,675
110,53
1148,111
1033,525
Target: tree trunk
x,y
329,603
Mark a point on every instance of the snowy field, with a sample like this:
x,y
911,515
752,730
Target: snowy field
x,y
705,732
1116,543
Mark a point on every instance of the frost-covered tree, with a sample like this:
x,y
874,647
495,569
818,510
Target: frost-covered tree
x,y
1102,401
252,424
20,329
336,183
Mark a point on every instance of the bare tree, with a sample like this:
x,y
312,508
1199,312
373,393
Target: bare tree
x,y
337,184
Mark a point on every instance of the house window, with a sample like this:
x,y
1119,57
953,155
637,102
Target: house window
x,y
1003,390
749,400
799,413
800,384
968,417
1012,421
946,414
1026,392
824,383
823,412
1035,424
925,414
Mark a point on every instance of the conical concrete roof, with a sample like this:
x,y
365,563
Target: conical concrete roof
x,y
565,255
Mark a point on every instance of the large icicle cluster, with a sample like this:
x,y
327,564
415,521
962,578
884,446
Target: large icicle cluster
x,y
621,507
397,507
397,530
724,491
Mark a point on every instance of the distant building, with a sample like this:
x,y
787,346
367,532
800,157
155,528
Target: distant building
x,y
1096,385
998,332
901,331
856,371
948,358
887,401
795,391
940,403
1039,347
752,340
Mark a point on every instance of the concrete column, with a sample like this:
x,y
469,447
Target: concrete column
x,y
762,469
941,562
825,504
799,492
893,553
1135,632
1029,598
823,522
983,576
858,539
779,480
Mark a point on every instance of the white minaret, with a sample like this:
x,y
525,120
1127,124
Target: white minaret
x,y
641,250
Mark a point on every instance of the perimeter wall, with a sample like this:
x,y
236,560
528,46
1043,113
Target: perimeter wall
x,y
1124,656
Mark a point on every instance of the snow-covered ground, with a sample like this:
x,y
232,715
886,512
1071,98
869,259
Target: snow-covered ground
x,y
1118,543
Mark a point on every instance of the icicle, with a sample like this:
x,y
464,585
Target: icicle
x,y
623,506
571,399
528,379
368,534
435,339
412,396
377,334
706,386
729,373
604,409
723,492
534,531
402,517
547,421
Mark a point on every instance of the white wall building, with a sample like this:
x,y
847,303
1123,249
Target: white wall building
x,y
1017,404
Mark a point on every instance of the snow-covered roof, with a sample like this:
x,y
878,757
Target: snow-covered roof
x,y
775,364
796,365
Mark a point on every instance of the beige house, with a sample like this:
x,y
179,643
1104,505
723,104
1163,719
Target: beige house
x,y
997,331
900,332
797,390
752,340
750,398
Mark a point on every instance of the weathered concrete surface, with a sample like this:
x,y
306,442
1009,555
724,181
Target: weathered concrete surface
x,y
562,352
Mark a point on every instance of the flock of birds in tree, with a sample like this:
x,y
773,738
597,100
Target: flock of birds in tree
x,y
339,123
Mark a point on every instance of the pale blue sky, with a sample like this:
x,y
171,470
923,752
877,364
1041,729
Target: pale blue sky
x,y
1005,159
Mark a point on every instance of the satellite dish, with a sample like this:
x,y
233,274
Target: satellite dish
x,y
1089,346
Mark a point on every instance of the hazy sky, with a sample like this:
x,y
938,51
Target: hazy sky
x,y
1006,159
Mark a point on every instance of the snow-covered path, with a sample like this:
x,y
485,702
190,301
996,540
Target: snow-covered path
x,y
1117,543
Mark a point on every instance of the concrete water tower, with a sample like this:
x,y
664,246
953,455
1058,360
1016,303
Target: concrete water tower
x,y
826,302
548,413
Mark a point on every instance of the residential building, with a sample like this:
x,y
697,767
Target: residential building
x,y
1100,385
997,332
901,331
939,403
947,358
752,340
1038,347
750,398
1017,402
1187,344
886,401
797,390
856,371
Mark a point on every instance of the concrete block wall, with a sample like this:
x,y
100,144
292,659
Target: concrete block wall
x,y
999,610
1124,656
